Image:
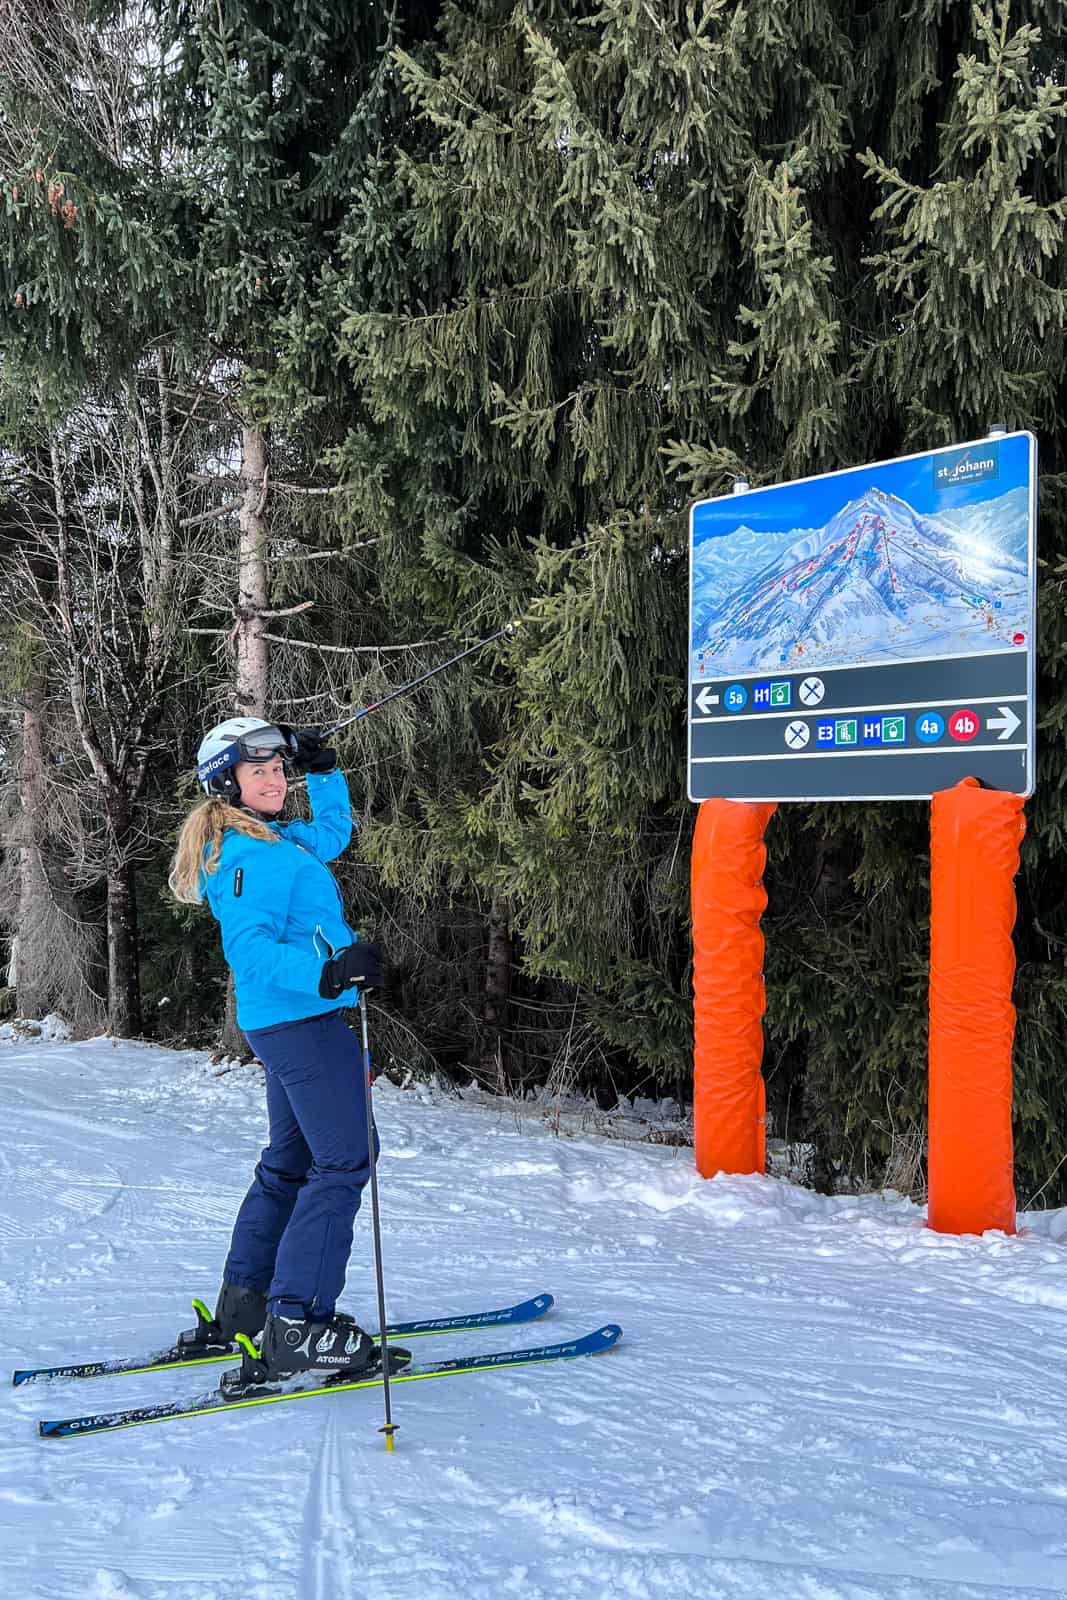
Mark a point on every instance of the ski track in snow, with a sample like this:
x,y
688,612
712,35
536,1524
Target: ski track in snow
x,y
815,1399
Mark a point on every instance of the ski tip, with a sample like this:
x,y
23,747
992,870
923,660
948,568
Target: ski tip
x,y
23,1375
70,1427
607,1336
51,1430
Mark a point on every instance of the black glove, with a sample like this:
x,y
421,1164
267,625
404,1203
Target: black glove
x,y
307,753
356,963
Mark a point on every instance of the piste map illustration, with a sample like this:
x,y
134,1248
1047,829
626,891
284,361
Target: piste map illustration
x,y
918,558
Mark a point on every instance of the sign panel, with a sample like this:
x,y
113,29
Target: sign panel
x,y
867,634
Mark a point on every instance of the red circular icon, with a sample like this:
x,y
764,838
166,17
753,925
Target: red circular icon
x,y
963,725
1018,638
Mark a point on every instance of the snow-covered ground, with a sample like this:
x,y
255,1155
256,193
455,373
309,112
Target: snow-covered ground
x,y
815,1398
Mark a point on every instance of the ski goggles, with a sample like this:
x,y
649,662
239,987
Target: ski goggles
x,y
261,745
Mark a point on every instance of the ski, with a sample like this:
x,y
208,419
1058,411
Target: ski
x,y
592,1344
168,1360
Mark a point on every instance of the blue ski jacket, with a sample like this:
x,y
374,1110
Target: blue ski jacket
x,y
280,910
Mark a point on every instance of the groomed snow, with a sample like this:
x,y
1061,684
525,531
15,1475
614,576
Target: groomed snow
x,y
815,1398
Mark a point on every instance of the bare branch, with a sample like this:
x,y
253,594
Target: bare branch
x,y
323,555
289,611
310,492
246,613
342,649
88,76
277,484
212,516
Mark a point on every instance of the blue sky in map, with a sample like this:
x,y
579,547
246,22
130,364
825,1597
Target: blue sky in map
x,y
812,503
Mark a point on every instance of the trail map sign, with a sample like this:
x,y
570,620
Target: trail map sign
x,y
868,634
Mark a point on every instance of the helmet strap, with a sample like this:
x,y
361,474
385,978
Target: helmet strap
x,y
224,786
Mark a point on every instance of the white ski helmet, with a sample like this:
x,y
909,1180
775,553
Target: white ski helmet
x,y
236,739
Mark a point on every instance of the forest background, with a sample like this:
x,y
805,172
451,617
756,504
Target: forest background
x,y
333,336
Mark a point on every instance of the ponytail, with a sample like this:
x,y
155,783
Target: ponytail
x,y
205,825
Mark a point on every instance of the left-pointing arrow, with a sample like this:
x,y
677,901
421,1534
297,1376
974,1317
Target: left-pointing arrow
x,y
705,700
1007,721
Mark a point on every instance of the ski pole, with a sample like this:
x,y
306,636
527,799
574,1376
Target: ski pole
x,y
507,631
389,1428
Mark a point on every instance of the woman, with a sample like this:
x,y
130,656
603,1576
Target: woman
x,y
295,963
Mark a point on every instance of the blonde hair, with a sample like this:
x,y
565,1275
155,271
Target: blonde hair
x,y
205,825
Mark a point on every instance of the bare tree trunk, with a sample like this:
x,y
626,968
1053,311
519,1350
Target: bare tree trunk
x,y
252,684
252,674
116,786
32,963
123,985
123,956
494,1020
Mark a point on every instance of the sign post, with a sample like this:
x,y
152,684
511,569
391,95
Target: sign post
x,y
869,635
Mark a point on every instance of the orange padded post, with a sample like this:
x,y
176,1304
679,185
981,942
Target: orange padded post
x,y
728,995
975,835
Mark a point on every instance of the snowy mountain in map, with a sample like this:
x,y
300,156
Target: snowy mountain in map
x,y
881,581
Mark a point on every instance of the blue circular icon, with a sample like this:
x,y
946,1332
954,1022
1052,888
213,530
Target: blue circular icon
x,y
735,697
929,726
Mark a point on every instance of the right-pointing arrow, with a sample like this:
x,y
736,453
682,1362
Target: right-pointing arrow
x,y
1007,721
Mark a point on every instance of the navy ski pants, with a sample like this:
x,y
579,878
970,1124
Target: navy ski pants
x,y
293,1233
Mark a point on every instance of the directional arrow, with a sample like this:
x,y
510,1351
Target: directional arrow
x,y
1007,720
705,700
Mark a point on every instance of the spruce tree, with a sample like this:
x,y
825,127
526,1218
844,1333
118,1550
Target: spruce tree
x,y
651,249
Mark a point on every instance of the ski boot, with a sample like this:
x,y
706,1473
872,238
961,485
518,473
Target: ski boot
x,y
303,1353
237,1310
